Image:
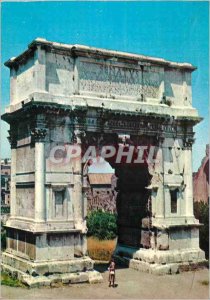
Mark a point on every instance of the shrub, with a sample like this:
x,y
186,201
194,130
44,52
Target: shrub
x,y
201,211
9,281
102,225
100,250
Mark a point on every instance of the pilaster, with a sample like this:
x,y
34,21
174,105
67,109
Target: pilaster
x,y
13,83
13,142
40,69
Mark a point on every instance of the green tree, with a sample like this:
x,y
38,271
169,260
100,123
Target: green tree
x,y
102,225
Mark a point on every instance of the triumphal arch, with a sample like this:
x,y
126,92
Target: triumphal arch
x,y
64,95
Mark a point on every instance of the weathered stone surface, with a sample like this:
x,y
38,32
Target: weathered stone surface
x,y
54,280
139,265
79,277
94,277
174,268
159,269
162,241
165,262
68,266
72,94
35,281
145,238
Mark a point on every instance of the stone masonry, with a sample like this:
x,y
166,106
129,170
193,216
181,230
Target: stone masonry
x,y
62,94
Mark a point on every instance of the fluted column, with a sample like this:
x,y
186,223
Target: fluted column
x,y
188,180
78,196
40,201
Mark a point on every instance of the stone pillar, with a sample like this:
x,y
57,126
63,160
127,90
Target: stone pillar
x,y
162,85
40,201
69,202
13,92
39,182
160,196
40,70
78,199
188,181
84,212
13,183
76,76
13,142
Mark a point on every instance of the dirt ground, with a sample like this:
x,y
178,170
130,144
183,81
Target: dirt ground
x,y
131,284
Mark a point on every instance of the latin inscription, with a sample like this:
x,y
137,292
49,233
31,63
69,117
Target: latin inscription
x,y
114,80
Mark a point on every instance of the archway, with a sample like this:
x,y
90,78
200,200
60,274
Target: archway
x,y
132,200
133,196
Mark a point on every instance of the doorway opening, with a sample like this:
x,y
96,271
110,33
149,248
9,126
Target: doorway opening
x,y
132,200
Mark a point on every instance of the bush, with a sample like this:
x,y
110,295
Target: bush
x,y
9,281
100,250
201,211
102,225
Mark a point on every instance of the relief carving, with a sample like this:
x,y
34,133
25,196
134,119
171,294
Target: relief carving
x,y
39,134
12,138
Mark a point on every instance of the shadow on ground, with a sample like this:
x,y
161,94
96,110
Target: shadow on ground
x,y
104,267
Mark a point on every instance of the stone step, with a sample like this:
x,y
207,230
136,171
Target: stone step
x,y
54,280
122,260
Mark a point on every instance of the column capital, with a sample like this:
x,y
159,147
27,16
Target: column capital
x,y
78,135
188,142
12,138
38,134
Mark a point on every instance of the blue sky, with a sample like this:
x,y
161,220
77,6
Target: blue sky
x,y
176,31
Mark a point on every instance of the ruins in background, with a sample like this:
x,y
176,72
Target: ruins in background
x,y
201,180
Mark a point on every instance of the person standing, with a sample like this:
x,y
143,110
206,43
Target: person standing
x,y
112,273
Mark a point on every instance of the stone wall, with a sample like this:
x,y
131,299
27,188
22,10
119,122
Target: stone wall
x,y
59,74
22,81
72,94
64,72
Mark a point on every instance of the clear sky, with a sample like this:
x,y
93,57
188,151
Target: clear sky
x,y
176,31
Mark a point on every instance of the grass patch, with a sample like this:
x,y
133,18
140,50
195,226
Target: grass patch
x,y
9,281
100,249
205,282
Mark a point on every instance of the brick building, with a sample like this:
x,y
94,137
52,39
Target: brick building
x,y
201,180
102,194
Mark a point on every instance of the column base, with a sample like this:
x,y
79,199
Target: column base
x,y
50,273
161,262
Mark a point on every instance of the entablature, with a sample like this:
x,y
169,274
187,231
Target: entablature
x,y
67,70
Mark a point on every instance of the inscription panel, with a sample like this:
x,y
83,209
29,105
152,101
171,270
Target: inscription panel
x,y
106,78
